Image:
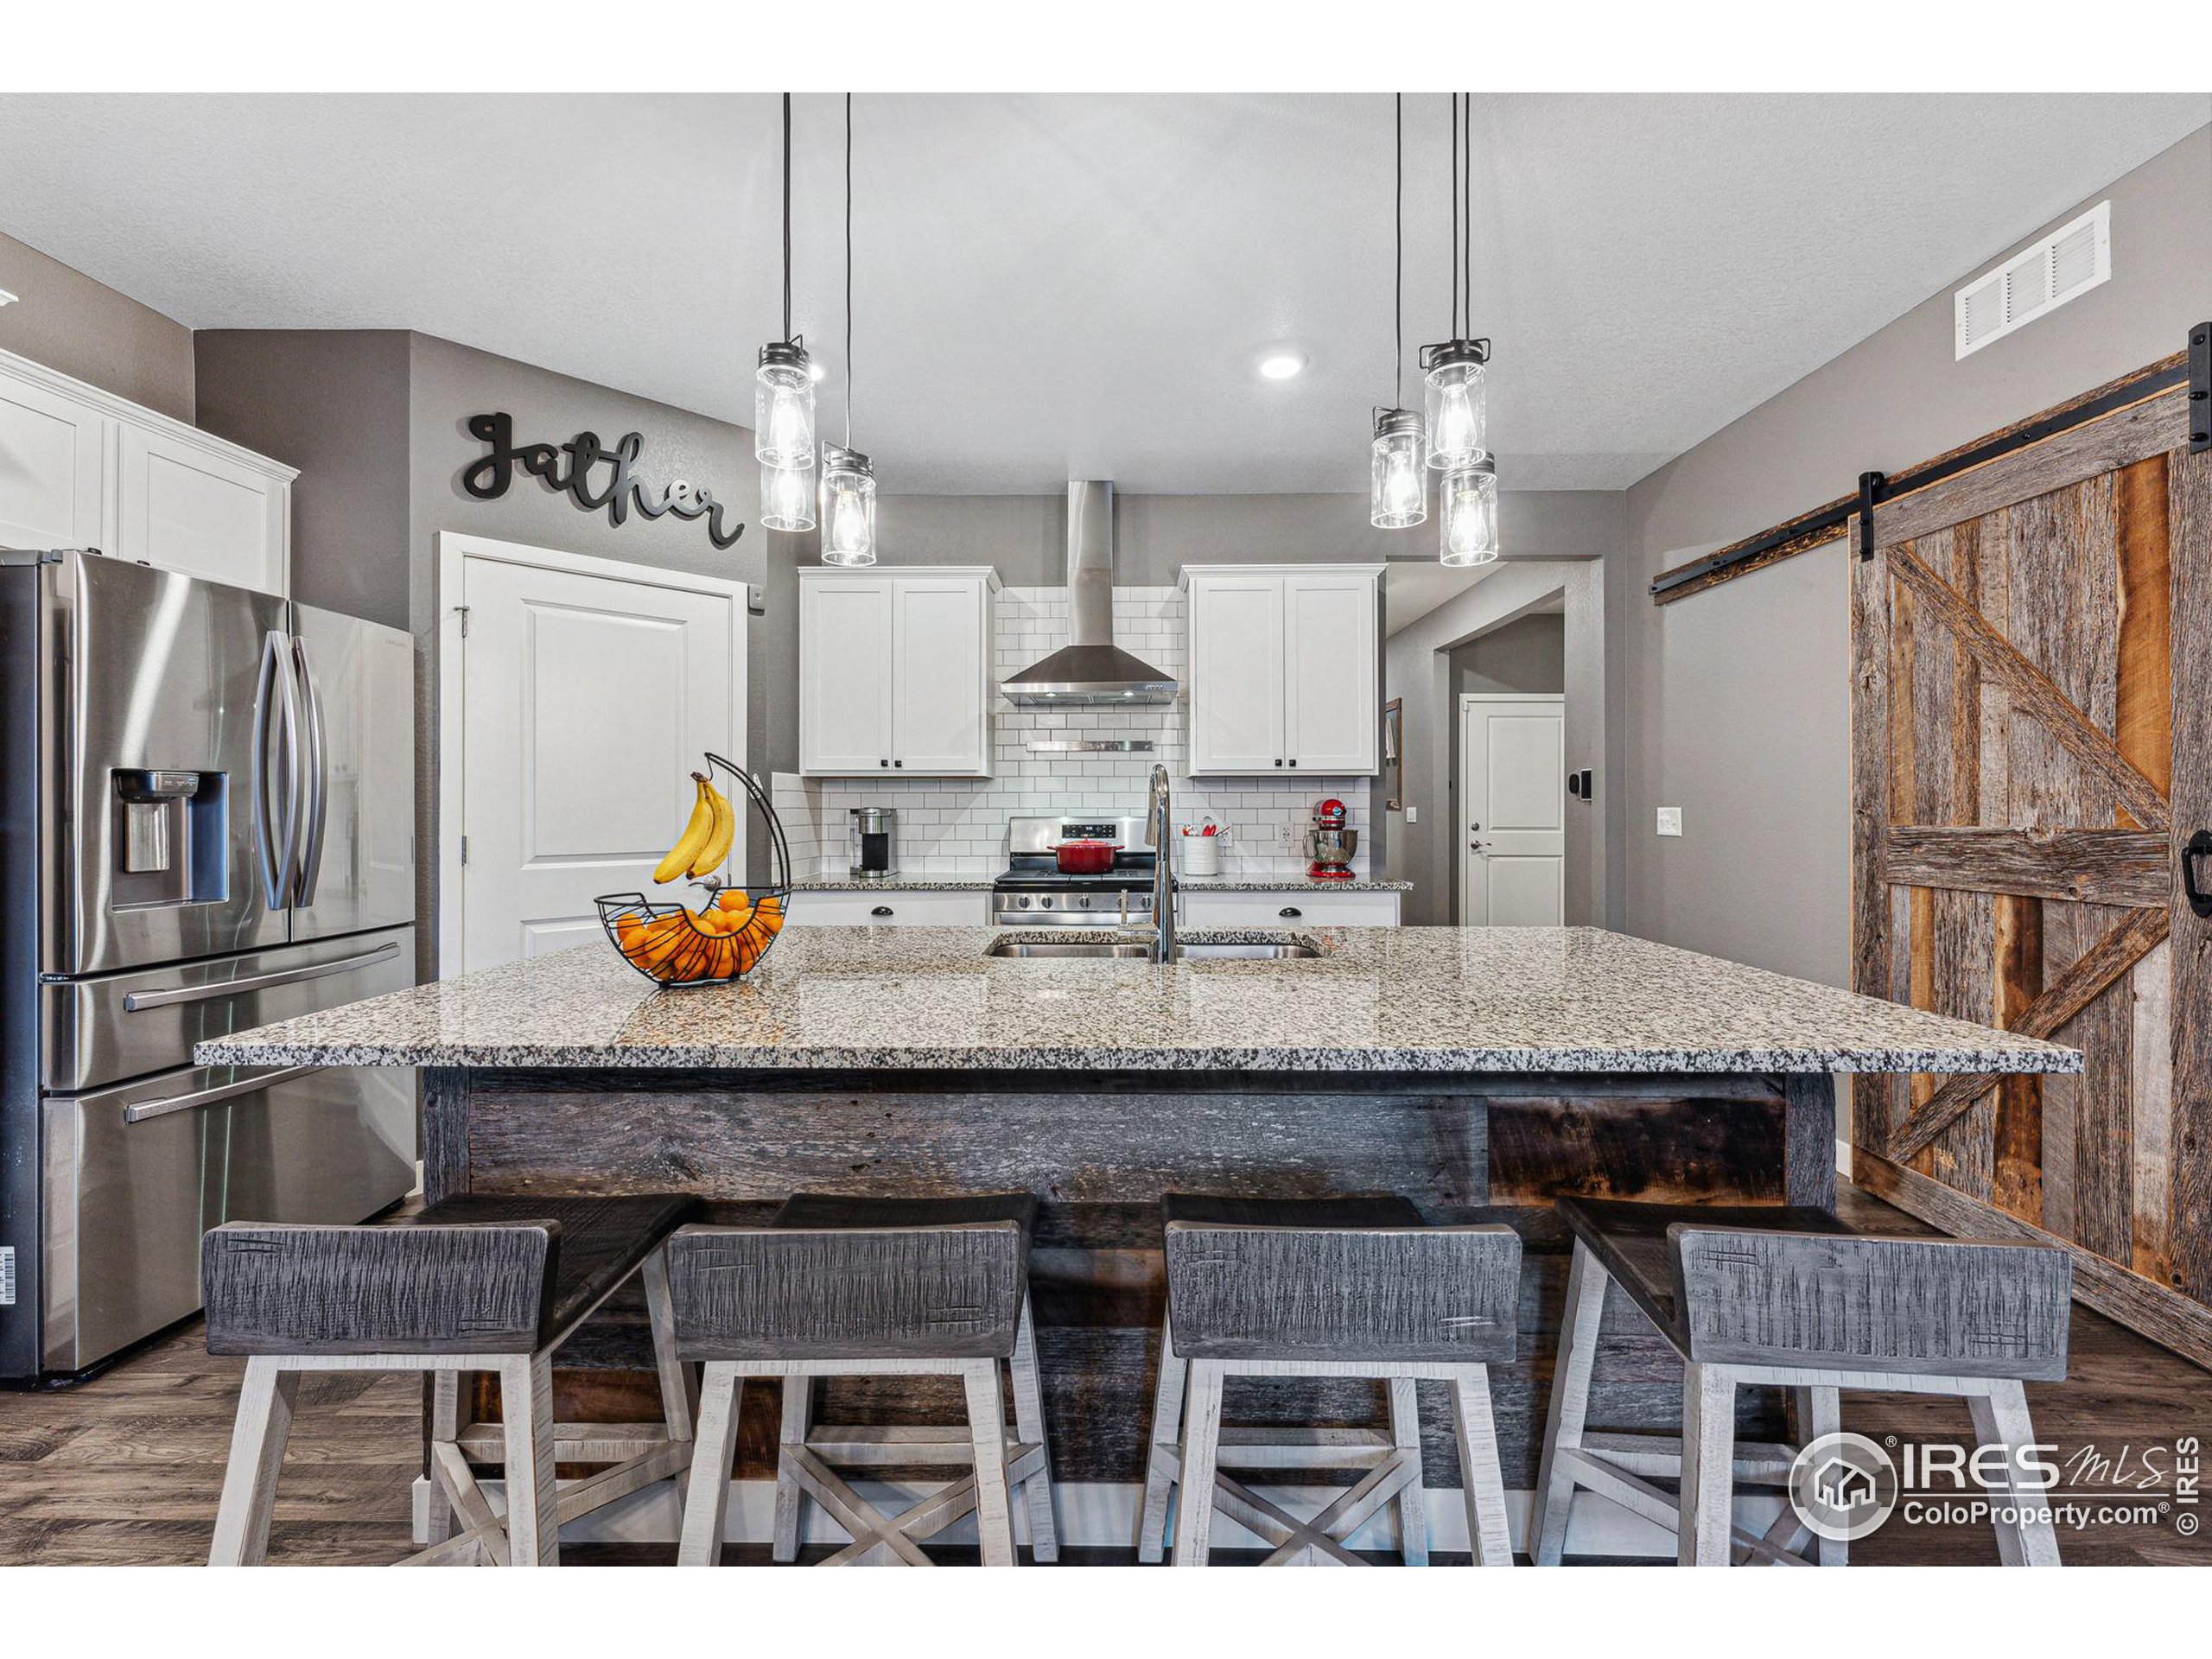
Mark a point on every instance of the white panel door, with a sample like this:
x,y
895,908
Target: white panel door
x,y
50,470
191,509
845,674
589,701
1513,775
940,654
1330,713
1236,674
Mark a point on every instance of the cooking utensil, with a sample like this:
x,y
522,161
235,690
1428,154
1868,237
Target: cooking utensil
x,y
1083,857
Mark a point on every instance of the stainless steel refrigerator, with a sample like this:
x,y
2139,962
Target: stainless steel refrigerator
x,y
206,822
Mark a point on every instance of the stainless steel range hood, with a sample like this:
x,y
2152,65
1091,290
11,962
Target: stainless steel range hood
x,y
1093,672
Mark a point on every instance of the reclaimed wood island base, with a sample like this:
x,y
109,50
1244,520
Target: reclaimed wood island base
x,y
1194,1078
1099,1154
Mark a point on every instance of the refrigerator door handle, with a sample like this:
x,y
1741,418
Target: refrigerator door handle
x,y
185,1102
274,703
136,1001
317,772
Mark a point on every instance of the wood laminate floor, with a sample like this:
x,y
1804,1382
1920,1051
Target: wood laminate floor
x,y
126,1468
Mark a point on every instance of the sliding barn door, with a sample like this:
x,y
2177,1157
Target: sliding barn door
x,y
2032,665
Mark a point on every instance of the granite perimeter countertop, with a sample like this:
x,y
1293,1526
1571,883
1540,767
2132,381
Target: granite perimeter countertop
x,y
1287,884
1414,999
905,881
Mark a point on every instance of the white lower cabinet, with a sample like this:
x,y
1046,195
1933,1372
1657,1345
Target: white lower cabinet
x,y
889,907
82,467
1291,907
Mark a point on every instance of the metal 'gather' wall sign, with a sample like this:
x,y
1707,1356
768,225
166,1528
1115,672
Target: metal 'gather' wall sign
x,y
567,469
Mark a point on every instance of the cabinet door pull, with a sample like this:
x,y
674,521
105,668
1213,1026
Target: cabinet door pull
x,y
1293,761
898,763
1278,761
883,763
1290,910
881,910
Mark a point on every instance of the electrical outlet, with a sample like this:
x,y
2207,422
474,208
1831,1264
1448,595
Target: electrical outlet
x,y
1670,820
1412,814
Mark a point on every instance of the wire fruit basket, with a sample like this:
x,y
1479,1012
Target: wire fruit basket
x,y
672,944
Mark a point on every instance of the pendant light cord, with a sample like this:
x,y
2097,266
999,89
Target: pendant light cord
x,y
1455,215
1398,254
1468,213
787,217
848,270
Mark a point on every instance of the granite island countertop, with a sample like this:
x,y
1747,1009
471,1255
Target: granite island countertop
x,y
1419,999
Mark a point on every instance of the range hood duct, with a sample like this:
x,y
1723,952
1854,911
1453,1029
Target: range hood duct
x,y
1093,672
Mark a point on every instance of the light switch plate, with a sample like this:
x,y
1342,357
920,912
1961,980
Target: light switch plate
x,y
1412,814
1670,820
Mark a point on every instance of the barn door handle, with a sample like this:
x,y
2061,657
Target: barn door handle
x,y
2199,846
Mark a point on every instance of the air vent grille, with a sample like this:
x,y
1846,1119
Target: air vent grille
x,y
2070,262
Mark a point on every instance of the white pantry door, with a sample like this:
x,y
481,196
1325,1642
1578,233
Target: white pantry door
x,y
589,695
1513,802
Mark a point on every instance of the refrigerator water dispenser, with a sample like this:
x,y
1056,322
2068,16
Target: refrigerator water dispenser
x,y
171,838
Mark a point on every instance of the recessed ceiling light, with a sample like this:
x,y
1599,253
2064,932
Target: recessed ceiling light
x,y
1281,362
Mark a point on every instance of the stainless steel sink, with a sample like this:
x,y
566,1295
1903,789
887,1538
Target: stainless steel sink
x,y
1196,950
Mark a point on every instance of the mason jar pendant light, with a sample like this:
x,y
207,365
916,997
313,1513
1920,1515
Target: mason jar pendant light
x,y
1454,396
783,401
1397,484
1470,507
848,476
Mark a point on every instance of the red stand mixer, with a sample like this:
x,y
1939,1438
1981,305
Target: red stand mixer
x,y
1330,844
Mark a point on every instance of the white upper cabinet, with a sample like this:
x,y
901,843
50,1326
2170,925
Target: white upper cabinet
x,y
81,468
1282,668
50,470
895,672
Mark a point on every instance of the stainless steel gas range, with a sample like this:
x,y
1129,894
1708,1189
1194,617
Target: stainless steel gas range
x,y
1032,892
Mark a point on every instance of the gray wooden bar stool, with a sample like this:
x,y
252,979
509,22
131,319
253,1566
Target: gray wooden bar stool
x,y
473,1283
1315,1288
1793,1299
863,1287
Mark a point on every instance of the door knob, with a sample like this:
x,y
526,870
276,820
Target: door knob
x,y
1475,846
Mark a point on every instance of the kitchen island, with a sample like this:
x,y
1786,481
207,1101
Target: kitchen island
x,y
1477,1071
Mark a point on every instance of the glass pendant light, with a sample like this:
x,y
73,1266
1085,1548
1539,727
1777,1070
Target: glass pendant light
x,y
1397,485
848,506
783,406
1452,399
1453,392
1469,510
783,401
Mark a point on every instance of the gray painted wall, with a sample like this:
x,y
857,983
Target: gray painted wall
x,y
1734,705
335,404
65,319
1528,654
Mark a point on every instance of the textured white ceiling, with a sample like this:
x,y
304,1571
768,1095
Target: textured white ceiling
x,y
1057,287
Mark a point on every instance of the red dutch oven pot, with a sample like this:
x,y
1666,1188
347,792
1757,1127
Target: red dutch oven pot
x,y
1083,857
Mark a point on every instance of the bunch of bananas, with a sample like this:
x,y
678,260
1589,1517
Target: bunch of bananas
x,y
705,839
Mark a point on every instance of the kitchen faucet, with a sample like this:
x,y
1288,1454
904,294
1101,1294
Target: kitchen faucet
x,y
1163,900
